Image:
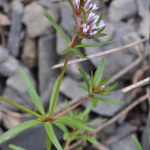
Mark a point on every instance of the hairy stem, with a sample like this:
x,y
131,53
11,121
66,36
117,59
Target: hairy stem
x,y
60,80
48,142
71,108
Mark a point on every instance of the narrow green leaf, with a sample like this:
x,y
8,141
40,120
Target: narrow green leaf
x,y
101,30
73,121
79,148
95,101
19,128
76,112
105,81
82,87
52,104
100,35
71,5
49,129
78,53
110,88
70,112
99,72
61,126
81,36
84,15
68,49
108,101
95,44
88,109
137,143
85,79
92,79
95,122
77,133
105,94
52,21
66,135
22,108
74,31
34,96
99,19
14,147
88,138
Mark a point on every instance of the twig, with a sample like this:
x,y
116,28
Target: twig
x,y
101,147
136,85
100,54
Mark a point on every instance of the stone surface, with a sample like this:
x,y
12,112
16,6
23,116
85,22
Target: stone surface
x,y
33,138
125,143
2,3
4,21
122,9
143,7
15,30
130,38
114,61
47,57
3,54
144,28
45,3
17,92
29,54
36,23
107,109
8,67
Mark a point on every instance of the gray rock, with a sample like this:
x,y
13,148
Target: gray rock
x,y
2,3
17,92
144,28
107,109
15,30
125,143
36,23
69,88
47,57
9,67
32,139
143,7
133,37
29,54
115,61
3,54
45,3
121,9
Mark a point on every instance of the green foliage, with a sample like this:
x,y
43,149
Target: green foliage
x,y
70,112
95,122
14,147
79,148
49,129
84,15
34,96
94,101
78,53
52,21
82,87
110,88
138,145
19,128
68,49
74,31
101,30
99,19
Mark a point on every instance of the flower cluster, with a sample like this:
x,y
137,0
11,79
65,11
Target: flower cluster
x,y
90,27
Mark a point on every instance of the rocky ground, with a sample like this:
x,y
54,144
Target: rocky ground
x,y
27,39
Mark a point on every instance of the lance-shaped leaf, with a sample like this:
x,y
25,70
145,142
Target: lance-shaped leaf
x,y
61,126
74,31
100,35
85,79
52,104
84,15
108,100
78,53
88,109
105,81
22,108
70,112
66,135
71,5
77,133
92,79
99,72
138,145
82,87
68,49
110,88
19,128
102,29
95,122
95,44
14,147
94,101
81,5
105,94
49,129
34,96
74,122
88,138
52,21
99,19
79,148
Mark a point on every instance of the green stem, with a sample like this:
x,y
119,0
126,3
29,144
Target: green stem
x,y
48,142
23,108
59,82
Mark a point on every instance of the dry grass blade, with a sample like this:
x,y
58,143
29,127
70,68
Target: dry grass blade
x,y
102,53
